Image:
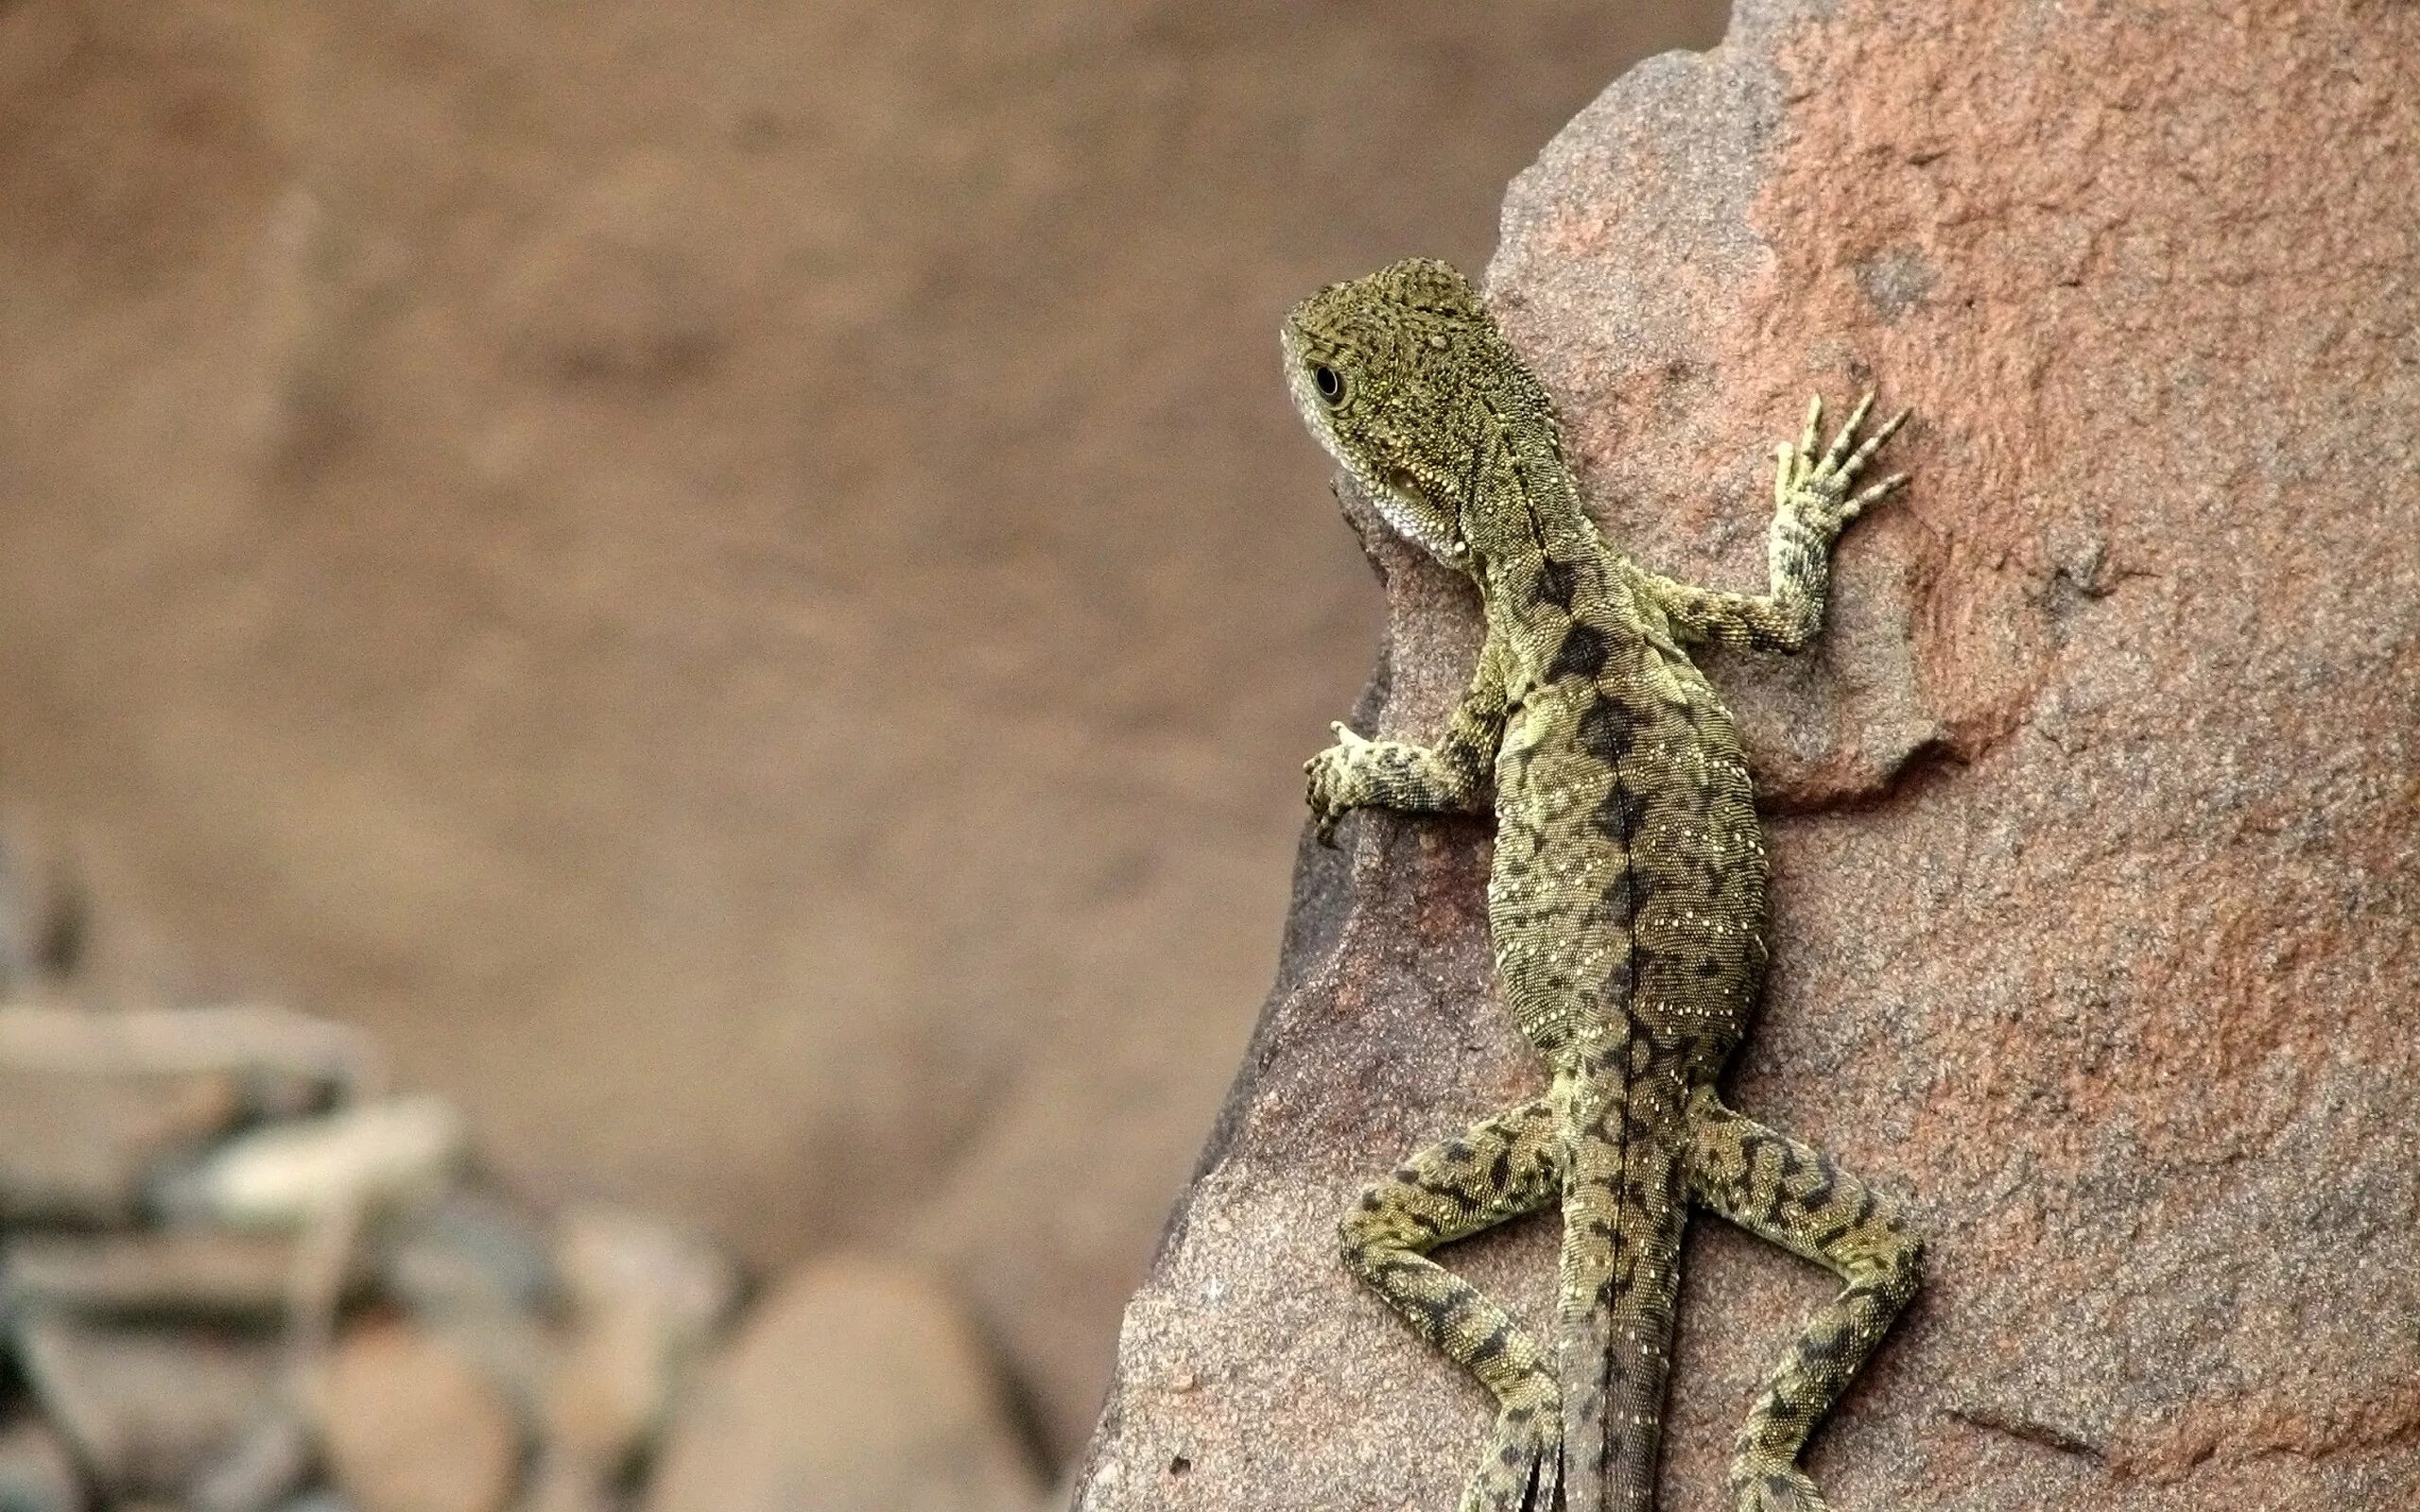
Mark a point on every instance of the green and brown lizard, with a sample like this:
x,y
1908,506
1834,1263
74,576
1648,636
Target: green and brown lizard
x,y
1626,908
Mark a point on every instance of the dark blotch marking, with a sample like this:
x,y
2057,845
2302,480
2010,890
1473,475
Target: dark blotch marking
x,y
1623,814
1581,654
1827,1351
1557,584
1607,731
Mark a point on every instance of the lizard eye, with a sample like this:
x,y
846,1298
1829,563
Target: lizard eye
x,y
1328,382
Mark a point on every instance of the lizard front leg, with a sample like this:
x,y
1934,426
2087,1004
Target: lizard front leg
x,y
1811,506
1450,777
1775,1187
1498,1170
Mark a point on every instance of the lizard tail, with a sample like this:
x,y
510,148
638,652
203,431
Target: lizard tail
x,y
1624,1208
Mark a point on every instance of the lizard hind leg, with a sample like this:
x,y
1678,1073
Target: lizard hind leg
x,y
1782,1190
1500,1169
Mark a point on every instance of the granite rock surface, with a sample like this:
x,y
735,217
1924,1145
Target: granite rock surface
x,y
2094,815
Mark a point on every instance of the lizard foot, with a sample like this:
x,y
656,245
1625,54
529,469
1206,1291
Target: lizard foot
x,y
1332,787
1523,1467
1817,488
1762,1485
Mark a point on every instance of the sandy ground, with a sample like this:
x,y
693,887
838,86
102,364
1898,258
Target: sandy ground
x,y
734,581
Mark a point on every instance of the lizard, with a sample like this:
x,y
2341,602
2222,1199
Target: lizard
x,y
1626,907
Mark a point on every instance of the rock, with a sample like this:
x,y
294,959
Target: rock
x,y
370,1156
476,1269
2095,813
151,1411
606,1393
643,1297
270,1461
287,1062
467,1253
562,1484
613,1260
82,1149
95,1105
850,1388
175,1273
411,1423
36,1472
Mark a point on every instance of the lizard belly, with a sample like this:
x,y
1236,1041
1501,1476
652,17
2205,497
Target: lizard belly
x,y
1628,892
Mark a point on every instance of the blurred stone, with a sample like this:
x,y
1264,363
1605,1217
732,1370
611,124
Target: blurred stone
x,y
475,1269
612,1258
517,1350
82,1147
560,1484
411,1423
171,1272
270,1461
643,1295
2094,858
467,1253
95,1105
285,1062
369,1157
151,1410
607,1391
37,1474
851,1387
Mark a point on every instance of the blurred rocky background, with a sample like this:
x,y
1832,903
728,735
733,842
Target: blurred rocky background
x,y
729,592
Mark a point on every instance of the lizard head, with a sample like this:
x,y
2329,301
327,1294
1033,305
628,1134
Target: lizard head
x,y
1404,377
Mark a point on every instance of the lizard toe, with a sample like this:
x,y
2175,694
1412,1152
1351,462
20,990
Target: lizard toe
x,y
1767,1485
1522,1471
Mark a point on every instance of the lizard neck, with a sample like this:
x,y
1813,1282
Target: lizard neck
x,y
1535,553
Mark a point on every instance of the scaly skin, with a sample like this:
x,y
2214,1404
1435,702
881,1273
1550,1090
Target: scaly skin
x,y
1627,908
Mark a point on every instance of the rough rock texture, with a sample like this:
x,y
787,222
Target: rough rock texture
x,y
851,1390
731,578
2095,816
